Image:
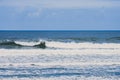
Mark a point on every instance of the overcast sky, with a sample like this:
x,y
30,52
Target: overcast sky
x,y
59,14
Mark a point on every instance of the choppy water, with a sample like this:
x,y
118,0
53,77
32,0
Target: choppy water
x,y
91,55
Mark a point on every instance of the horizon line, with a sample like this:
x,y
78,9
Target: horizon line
x,y
59,30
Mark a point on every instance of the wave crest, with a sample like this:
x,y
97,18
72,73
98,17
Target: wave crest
x,y
60,45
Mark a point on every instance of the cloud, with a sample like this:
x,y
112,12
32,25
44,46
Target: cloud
x,y
62,4
38,5
34,14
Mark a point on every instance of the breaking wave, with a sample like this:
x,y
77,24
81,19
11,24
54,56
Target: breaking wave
x,y
59,45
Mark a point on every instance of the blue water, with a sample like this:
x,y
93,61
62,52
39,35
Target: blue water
x,y
78,36
69,55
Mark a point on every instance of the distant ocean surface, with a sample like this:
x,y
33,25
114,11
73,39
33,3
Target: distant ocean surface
x,y
69,55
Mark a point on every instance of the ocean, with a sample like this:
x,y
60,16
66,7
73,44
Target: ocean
x,y
67,55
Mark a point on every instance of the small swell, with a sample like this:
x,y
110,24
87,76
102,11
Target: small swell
x,y
90,39
114,38
9,44
14,44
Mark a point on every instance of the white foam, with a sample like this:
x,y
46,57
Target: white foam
x,y
30,58
60,64
65,78
26,43
74,45
57,51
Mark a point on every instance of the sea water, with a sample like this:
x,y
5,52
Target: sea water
x,y
69,55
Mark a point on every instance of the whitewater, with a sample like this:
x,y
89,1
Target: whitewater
x,y
61,61
68,55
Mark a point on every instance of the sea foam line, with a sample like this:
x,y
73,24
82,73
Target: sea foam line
x,y
65,78
4,52
72,45
59,64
